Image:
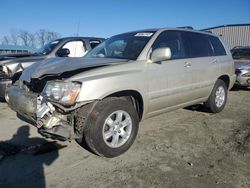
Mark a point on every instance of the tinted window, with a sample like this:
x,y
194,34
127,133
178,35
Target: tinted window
x,y
94,43
217,46
198,44
241,53
172,40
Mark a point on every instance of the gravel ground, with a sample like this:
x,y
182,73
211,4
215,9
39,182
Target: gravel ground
x,y
183,148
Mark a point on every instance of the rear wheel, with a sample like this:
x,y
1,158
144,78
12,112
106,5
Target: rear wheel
x,y
218,98
111,127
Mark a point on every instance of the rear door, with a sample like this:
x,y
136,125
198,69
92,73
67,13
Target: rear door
x,y
204,64
169,82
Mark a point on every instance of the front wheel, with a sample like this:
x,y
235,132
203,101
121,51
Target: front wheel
x,y
111,127
218,98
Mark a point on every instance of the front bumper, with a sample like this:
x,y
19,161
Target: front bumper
x,y
43,115
22,101
242,80
4,84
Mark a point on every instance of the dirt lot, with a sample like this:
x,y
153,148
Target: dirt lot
x,y
184,148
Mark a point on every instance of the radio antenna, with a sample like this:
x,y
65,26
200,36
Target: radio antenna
x,y
78,25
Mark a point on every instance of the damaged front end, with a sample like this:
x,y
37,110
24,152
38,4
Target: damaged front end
x,y
52,123
52,111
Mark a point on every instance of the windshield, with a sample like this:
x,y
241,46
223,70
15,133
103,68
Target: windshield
x,y
124,46
47,48
241,54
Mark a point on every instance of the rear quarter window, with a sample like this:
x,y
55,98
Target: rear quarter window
x,y
217,46
198,45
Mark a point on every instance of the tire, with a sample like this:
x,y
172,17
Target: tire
x,y
103,121
216,104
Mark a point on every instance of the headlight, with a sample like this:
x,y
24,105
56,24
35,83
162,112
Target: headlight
x,y
246,74
62,92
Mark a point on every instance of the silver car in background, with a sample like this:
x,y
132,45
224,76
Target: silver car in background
x,y
241,56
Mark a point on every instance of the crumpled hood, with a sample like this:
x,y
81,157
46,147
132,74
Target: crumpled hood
x,y
242,64
14,56
57,66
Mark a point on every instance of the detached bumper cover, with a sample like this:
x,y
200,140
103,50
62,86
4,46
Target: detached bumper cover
x,y
21,101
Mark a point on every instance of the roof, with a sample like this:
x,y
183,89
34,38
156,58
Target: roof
x,y
84,38
228,25
185,28
16,47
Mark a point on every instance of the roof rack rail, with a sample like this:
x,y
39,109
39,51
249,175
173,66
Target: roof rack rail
x,y
186,27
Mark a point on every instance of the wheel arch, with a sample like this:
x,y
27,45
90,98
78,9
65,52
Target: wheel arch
x,y
134,96
225,78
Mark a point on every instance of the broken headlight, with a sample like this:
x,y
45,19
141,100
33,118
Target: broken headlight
x,y
62,92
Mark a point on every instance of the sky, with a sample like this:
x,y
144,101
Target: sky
x,y
104,18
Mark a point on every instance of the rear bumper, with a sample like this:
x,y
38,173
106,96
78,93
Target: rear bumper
x,y
4,84
21,101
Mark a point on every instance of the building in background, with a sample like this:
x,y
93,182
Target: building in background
x,y
10,49
233,35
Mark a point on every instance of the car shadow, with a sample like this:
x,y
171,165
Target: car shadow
x,y
22,159
81,142
240,88
198,108
2,100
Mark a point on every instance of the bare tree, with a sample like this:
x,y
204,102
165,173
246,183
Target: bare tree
x,y
14,36
5,40
32,40
24,36
44,36
41,37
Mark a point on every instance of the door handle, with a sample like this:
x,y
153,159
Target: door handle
x,y
187,64
214,61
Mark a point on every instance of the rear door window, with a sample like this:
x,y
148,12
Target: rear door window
x,y
217,46
172,40
198,45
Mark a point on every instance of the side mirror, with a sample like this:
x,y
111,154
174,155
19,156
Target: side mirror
x,y
64,52
161,54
